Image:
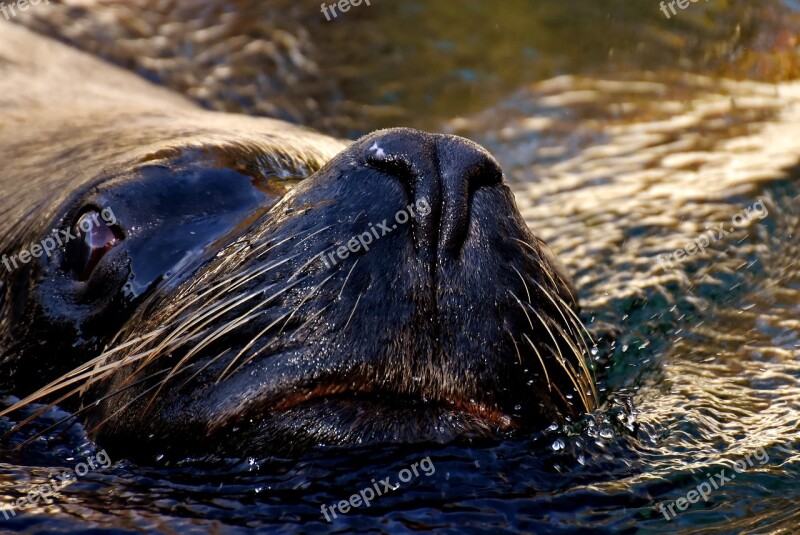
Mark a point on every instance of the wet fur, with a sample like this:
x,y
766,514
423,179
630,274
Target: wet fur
x,y
205,360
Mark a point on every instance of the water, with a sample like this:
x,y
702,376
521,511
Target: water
x,y
622,142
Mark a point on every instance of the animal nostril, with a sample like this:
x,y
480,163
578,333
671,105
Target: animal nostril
x,y
486,174
393,165
464,167
464,162
442,170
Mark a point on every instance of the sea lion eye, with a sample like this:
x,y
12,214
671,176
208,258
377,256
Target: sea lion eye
x,y
92,236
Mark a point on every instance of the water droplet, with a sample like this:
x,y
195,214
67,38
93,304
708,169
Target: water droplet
x,y
518,407
558,445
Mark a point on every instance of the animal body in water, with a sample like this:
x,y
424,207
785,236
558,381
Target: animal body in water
x,y
232,285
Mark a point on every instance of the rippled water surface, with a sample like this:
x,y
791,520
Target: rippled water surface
x,y
625,136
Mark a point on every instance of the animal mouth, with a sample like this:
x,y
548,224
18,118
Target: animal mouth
x,y
337,396
339,415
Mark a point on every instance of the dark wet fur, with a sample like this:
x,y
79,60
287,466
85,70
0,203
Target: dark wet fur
x,y
458,324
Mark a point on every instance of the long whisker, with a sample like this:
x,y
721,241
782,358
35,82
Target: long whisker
x,y
348,277
360,295
119,410
578,323
535,349
59,384
287,316
581,378
72,415
561,360
527,291
304,300
580,358
541,360
299,329
516,346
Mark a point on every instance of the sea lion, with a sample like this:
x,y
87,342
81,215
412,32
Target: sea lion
x,y
242,286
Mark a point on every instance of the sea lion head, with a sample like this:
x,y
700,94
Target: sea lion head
x,y
394,295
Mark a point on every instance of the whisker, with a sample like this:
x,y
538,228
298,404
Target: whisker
x,y
561,360
59,384
119,410
303,301
569,309
527,291
360,295
533,346
581,360
261,350
287,316
578,356
208,339
205,366
541,360
69,416
348,277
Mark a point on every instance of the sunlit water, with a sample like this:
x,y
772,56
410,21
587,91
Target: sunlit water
x,y
622,142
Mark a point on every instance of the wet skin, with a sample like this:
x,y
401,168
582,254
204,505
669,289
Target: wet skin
x,y
209,317
229,330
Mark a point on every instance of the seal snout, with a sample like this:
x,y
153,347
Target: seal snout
x,y
443,171
394,295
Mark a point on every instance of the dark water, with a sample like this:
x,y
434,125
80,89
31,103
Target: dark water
x,y
626,136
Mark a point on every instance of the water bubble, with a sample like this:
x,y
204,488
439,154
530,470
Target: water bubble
x,y
558,445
